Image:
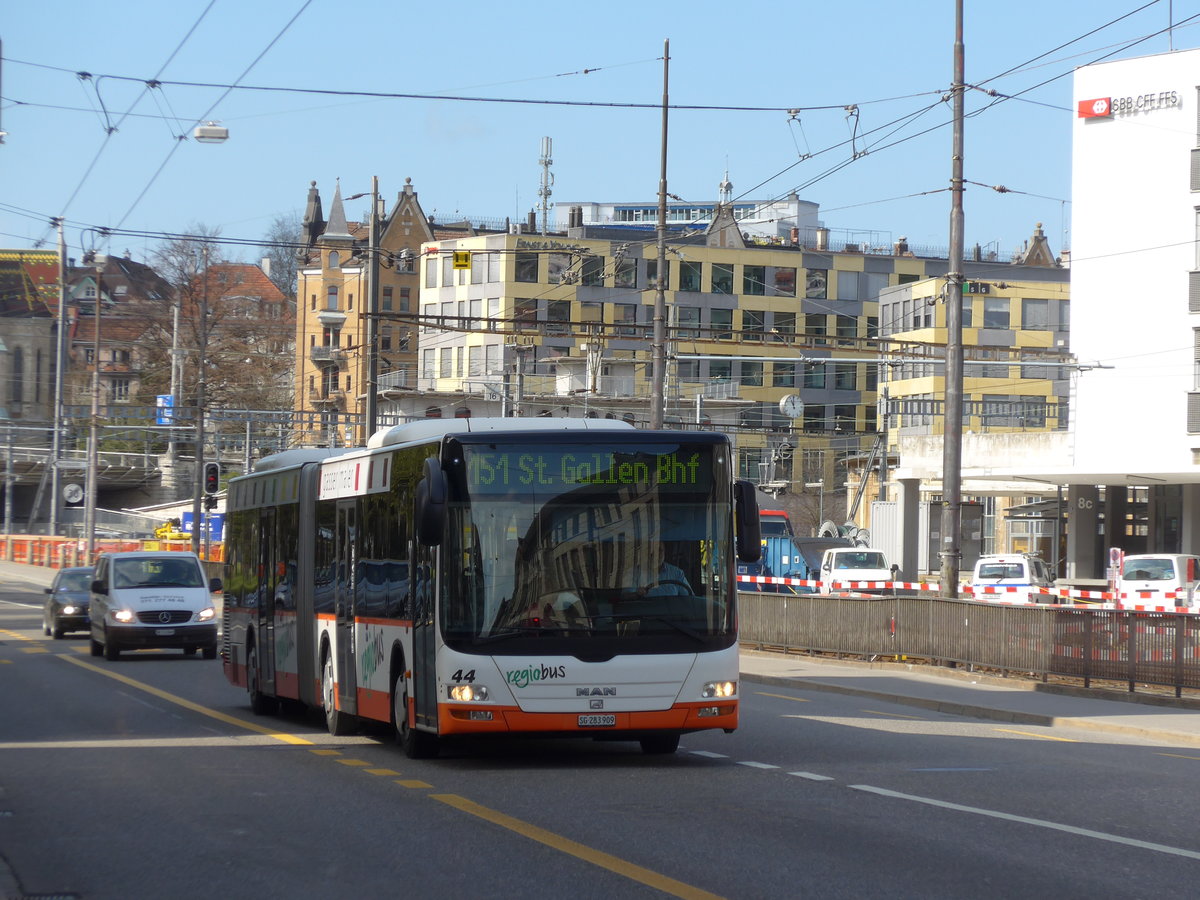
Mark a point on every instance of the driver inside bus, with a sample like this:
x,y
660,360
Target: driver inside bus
x,y
668,581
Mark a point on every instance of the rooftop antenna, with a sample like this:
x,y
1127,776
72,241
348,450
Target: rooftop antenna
x,y
547,180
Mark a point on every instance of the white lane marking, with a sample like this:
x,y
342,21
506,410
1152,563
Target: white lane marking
x,y
1024,820
709,754
758,765
811,776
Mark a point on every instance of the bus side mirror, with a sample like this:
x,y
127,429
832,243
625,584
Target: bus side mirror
x,y
746,522
431,504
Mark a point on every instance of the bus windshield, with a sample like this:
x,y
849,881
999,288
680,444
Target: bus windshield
x,y
626,543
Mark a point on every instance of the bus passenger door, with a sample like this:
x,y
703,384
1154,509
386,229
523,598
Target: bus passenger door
x,y
424,643
264,614
346,554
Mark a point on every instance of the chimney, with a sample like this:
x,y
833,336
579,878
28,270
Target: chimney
x,y
265,265
822,238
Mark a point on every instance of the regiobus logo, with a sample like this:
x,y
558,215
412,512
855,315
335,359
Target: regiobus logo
x,y
521,678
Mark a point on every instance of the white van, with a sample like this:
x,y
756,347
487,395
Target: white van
x,y
1012,576
856,564
151,599
1158,574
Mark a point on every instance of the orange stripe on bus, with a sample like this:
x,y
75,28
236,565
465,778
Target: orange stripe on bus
x,y
454,719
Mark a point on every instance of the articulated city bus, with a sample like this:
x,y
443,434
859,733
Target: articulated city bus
x,y
480,577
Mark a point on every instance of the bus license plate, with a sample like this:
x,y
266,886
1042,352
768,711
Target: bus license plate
x,y
597,721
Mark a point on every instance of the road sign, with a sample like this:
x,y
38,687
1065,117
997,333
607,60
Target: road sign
x,y
166,409
462,259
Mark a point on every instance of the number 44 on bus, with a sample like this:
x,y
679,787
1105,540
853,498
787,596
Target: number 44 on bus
x,y
482,577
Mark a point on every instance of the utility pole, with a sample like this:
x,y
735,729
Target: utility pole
x,y
658,365
60,361
201,353
372,406
950,552
93,450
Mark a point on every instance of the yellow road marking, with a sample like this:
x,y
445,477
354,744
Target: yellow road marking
x,y
188,704
1179,756
876,712
353,762
34,650
381,772
587,854
322,751
782,697
1044,737
572,848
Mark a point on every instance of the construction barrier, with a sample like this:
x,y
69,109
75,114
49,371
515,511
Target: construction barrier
x,y
61,552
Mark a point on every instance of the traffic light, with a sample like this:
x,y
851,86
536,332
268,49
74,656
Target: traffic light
x,y
212,477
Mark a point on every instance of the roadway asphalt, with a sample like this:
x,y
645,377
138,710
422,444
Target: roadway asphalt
x,y
952,691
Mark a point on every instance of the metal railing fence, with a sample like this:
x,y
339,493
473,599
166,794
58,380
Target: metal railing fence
x,y
1160,648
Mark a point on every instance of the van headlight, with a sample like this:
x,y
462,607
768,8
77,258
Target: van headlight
x,y
469,693
123,615
209,612
719,689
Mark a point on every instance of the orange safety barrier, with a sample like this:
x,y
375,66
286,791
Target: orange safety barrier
x,y
61,552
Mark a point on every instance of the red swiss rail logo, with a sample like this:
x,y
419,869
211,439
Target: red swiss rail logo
x,y
1101,107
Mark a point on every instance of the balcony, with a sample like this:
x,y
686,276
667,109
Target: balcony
x,y
320,397
327,356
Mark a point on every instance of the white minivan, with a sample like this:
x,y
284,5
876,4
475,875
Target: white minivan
x,y
845,564
1012,576
152,599
1158,574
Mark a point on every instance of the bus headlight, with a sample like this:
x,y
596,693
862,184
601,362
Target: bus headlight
x,y
469,693
719,689
206,614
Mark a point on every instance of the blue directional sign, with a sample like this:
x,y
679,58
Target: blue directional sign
x,y
166,408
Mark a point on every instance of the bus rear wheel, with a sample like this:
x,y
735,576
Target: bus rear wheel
x,y
415,744
337,723
260,703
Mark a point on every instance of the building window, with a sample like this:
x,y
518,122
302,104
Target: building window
x,y
847,285
405,299
783,326
625,318
847,328
17,385
335,259
493,268
816,327
386,300
474,362
312,303
120,390
593,271
1035,315
458,362
815,284
844,376
427,363
405,340
754,280
687,320
966,312
446,362
431,272
385,338
753,324
652,275
491,359
525,313
720,371
625,273
527,267
448,270
478,267
783,375
331,297
721,322
558,316
995,312
814,377
688,370
690,276
752,374
785,282
722,278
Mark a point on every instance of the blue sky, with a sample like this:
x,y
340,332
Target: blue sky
x,y
891,61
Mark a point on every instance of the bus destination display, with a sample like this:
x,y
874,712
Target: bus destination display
x,y
561,469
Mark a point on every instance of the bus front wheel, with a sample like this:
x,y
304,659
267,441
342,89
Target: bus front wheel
x,y
337,722
660,743
415,744
260,703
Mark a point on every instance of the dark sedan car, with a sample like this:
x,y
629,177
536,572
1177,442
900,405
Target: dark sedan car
x,y
66,606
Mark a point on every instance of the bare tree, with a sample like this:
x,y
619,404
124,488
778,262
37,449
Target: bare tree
x,y
281,246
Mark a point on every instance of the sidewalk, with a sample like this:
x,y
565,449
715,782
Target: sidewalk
x,y
939,689
962,693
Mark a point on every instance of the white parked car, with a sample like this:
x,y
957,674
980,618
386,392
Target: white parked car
x,y
1012,576
1158,574
842,564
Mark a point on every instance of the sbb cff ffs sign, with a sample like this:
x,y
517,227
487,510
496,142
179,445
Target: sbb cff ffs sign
x,y
1094,109
1107,107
